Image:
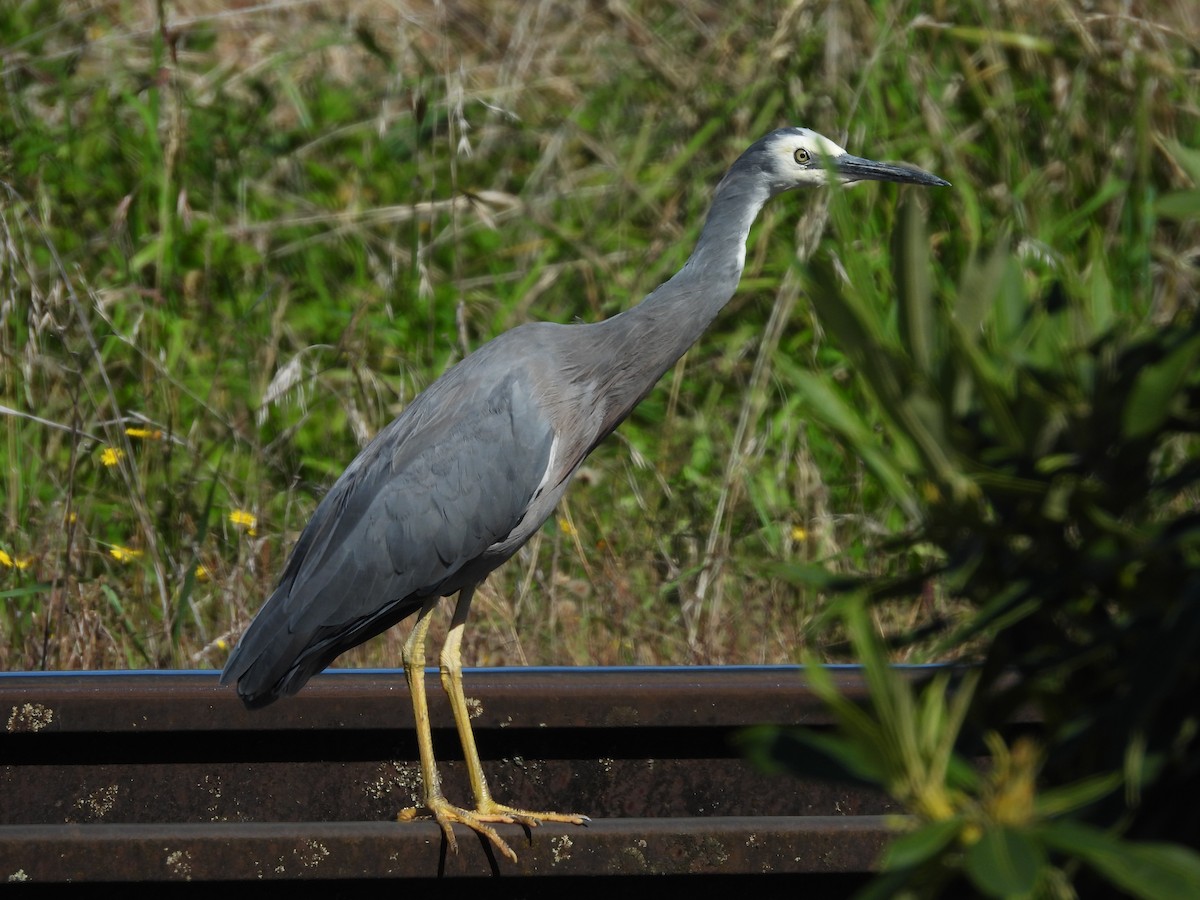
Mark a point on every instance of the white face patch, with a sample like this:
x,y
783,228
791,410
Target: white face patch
x,y
818,147
823,145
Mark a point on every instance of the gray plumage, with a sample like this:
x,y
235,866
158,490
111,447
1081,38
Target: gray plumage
x,y
475,464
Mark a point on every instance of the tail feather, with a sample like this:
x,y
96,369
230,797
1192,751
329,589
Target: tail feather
x,y
272,661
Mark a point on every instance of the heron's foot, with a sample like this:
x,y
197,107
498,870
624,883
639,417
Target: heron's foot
x,y
446,814
480,820
491,811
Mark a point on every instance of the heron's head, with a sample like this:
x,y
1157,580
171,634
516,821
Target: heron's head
x,y
796,157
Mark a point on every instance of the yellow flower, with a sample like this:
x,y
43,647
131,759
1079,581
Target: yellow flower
x,y
567,527
799,533
15,562
123,554
244,519
111,456
202,574
148,434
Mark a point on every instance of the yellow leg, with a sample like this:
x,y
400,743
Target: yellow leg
x,y
413,655
446,814
486,809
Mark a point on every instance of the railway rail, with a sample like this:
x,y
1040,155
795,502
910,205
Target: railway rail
x,y
162,776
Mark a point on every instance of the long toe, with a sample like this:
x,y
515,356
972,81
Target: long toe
x,y
447,814
491,811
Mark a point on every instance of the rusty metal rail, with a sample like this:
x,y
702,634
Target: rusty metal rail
x,y
164,776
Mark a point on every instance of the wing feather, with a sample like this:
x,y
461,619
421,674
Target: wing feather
x,y
420,512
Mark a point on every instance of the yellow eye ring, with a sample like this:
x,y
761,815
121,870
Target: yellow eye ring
x,y
802,156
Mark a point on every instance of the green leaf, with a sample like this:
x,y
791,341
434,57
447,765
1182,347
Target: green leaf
x,y
1010,308
1084,213
856,722
1188,158
1152,871
1154,392
858,332
910,265
916,847
813,754
1179,205
836,413
923,420
993,385
947,764
980,284
994,37
148,254
813,575
1004,863
1099,291
1056,801
14,593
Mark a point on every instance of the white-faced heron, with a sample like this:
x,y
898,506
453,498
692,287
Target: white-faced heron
x,y
470,470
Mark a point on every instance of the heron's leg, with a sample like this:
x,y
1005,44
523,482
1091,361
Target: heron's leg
x,y
487,809
444,812
413,655
451,670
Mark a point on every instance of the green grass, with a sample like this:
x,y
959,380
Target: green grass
x,y
255,235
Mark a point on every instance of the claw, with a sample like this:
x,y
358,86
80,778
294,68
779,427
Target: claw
x,y
498,812
446,814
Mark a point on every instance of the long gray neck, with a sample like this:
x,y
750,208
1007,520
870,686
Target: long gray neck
x,y
654,334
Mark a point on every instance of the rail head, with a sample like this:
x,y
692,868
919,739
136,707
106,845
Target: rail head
x,y
672,697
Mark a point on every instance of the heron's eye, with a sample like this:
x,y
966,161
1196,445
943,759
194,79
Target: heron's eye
x,y
802,156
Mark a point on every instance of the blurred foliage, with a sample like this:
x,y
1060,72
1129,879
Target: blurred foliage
x,y
1049,449
989,830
